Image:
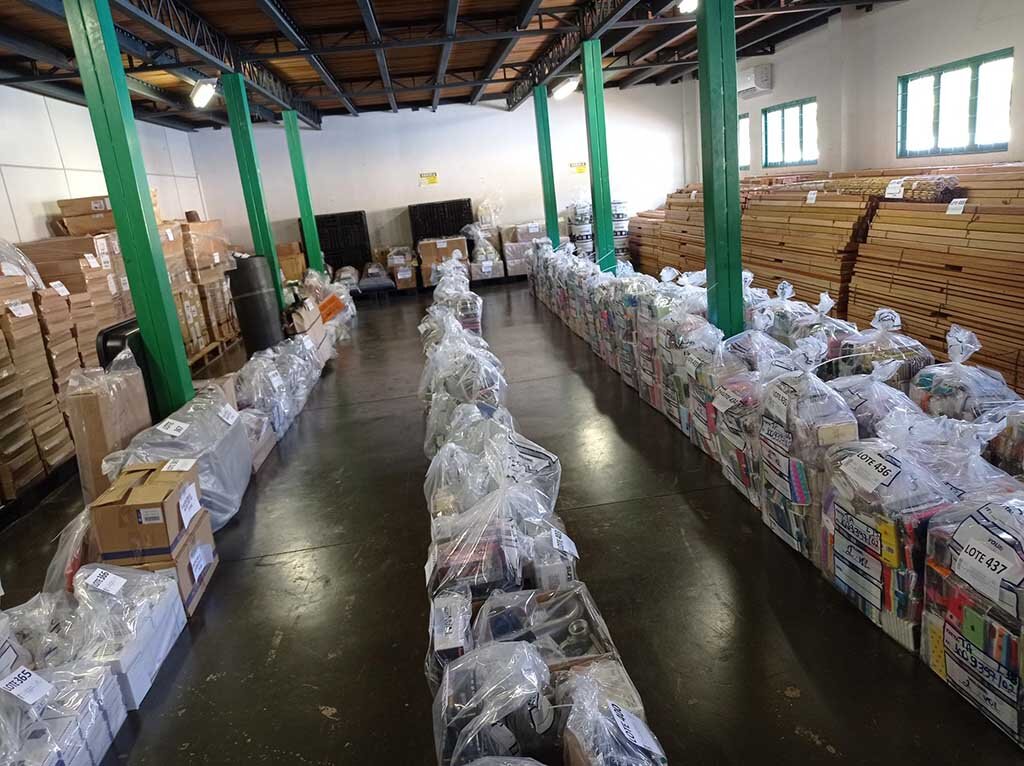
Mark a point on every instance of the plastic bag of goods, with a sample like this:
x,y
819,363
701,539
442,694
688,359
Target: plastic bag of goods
x,y
801,418
606,722
449,631
625,312
675,336
1006,450
209,430
871,398
47,630
446,358
738,369
595,284
655,306
689,289
833,331
608,343
974,588
880,343
878,502
753,298
470,378
564,625
348,276
699,354
25,740
505,761
957,389
260,386
298,367
786,312
495,701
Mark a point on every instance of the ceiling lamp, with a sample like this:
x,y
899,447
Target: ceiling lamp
x,y
203,92
565,87
687,6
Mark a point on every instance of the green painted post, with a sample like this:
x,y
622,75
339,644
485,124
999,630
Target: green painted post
x,y
99,61
309,233
249,171
597,141
716,41
547,165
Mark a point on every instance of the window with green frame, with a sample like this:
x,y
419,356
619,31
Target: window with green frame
x,y
743,135
789,134
958,108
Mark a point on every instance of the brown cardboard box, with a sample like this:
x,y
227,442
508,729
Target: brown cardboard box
x,y
293,265
89,205
527,232
486,270
264,446
226,384
194,562
288,248
104,418
205,244
436,250
517,267
143,515
404,276
94,223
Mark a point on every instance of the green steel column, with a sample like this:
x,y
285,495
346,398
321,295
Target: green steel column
x,y
309,233
547,165
98,57
249,171
716,41
597,140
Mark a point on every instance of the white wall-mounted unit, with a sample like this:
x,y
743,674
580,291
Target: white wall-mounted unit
x,y
754,81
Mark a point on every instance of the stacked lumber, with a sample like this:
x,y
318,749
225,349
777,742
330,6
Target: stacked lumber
x,y
682,236
810,244
936,269
645,241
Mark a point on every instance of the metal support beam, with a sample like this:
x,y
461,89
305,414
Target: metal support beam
x,y
249,172
99,58
547,167
784,6
527,10
373,32
597,142
451,20
716,40
620,32
291,31
314,254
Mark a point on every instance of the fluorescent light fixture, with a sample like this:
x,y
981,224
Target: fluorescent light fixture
x,y
203,92
687,6
565,87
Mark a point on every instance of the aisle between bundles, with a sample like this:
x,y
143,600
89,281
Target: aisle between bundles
x,y
520,661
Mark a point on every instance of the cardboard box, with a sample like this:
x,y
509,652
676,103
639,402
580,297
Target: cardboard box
x,y
263,447
226,384
288,248
143,515
204,243
517,267
486,270
193,563
103,419
529,231
404,276
293,265
436,250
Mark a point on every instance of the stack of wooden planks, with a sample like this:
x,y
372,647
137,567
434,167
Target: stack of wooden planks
x,y
808,240
682,236
936,269
645,241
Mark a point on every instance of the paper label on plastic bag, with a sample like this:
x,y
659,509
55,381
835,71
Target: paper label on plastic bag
x,y
450,623
725,400
179,464
150,516
172,427
863,534
691,364
228,414
812,196
105,261
91,260
952,644
775,433
868,470
564,543
108,582
895,189
777,402
275,380
188,503
986,560
60,289
858,569
956,207
634,729
26,686
19,309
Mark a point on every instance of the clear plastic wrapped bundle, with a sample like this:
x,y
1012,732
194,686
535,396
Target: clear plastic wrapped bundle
x,y
14,263
699,355
1006,450
505,761
495,701
25,739
625,309
860,351
47,629
974,591
449,632
676,334
608,342
830,329
564,625
458,354
473,425
456,480
470,377
260,386
956,389
209,430
801,418
348,276
483,250
871,398
604,730
72,551
785,313
737,373
753,298
875,516
595,284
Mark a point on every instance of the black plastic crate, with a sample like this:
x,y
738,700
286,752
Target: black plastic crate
x,y
440,219
344,238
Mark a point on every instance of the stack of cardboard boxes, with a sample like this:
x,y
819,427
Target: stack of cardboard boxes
x,y
20,463
88,215
433,252
292,260
187,302
209,258
152,518
58,334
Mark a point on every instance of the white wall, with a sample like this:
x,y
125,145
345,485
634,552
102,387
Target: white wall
x,y
373,162
852,65
48,152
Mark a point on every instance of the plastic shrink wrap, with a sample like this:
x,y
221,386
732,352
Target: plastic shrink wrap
x,y
833,331
754,298
801,417
698,356
15,263
676,334
1006,450
877,505
786,313
859,352
625,309
564,625
974,586
505,761
956,389
495,701
449,631
209,430
260,386
871,398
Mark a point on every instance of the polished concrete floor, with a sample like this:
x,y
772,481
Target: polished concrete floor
x,y
309,646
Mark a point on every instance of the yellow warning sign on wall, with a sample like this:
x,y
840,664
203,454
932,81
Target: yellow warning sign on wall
x,y
578,167
428,179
